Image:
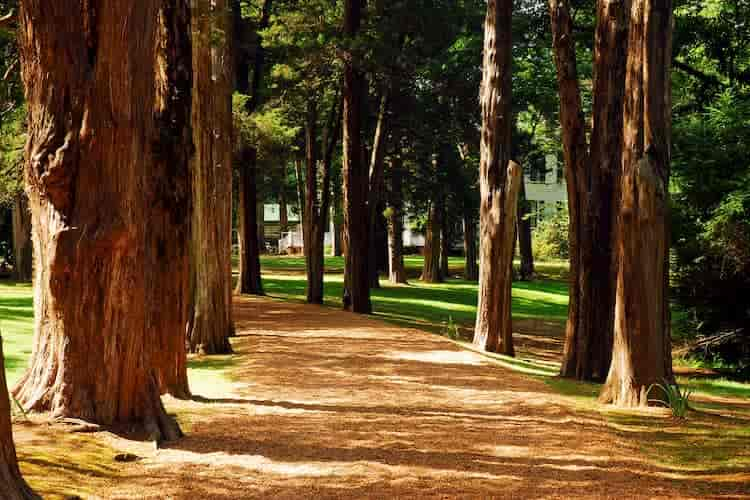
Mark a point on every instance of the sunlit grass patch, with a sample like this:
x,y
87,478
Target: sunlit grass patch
x,y
16,326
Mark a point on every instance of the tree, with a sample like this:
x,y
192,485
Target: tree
x,y
642,347
169,192
90,154
12,485
356,180
250,241
395,216
210,324
431,272
22,246
499,181
591,175
524,235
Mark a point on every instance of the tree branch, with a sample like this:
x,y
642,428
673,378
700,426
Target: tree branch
x,y
8,20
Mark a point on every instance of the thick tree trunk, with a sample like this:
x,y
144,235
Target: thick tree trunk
x,y
22,245
431,266
524,235
12,485
591,181
377,178
249,279
90,157
211,318
499,181
170,200
356,182
642,355
471,268
396,269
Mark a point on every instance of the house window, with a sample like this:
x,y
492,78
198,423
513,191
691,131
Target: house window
x,y
536,212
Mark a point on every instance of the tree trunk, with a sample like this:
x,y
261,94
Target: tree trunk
x,y
283,211
524,235
22,245
249,279
210,325
471,268
499,181
12,485
445,243
356,182
311,226
170,200
90,154
250,234
396,270
590,182
642,354
377,177
337,244
431,267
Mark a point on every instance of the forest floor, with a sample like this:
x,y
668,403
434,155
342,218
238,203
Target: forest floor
x,y
317,403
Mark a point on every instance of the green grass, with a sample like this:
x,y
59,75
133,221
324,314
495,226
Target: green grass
x,y
17,326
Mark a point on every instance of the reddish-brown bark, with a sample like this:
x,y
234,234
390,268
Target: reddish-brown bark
x,y
356,179
92,131
499,184
22,245
12,485
642,354
210,324
431,266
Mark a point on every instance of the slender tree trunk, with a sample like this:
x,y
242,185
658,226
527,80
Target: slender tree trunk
x,y
211,325
356,217
283,211
445,243
337,244
313,246
12,485
300,187
250,234
499,181
170,199
92,131
471,268
22,245
590,182
249,280
431,267
396,270
642,354
377,177
524,235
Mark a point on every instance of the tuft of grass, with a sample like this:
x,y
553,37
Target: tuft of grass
x,y
677,400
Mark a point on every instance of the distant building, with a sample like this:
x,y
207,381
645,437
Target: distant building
x,y
546,190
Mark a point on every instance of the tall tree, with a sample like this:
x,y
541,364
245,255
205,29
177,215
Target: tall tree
x,y
356,179
499,181
642,347
90,154
524,235
169,192
210,324
22,246
249,280
376,185
12,485
591,175
395,213
431,272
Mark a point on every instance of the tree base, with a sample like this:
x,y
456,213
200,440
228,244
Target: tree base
x,y
13,487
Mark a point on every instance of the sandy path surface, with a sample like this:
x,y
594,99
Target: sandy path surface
x,y
331,405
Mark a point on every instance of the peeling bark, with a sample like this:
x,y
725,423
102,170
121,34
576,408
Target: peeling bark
x,y
642,353
499,181
89,156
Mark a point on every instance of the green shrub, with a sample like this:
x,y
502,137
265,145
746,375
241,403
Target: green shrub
x,y
550,237
676,400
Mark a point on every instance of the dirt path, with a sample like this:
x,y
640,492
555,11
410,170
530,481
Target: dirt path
x,y
328,404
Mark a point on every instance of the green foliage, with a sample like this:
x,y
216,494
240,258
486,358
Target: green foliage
x,y
12,139
550,237
451,329
268,130
678,401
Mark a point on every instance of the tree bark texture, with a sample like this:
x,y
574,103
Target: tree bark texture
x,y
524,235
356,179
642,346
92,112
445,243
22,245
471,268
396,269
431,266
591,179
211,319
12,484
499,181
170,199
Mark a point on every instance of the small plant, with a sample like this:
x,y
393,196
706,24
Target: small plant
x,y
677,401
451,329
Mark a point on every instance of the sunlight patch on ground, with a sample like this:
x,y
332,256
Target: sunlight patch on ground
x,y
439,357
